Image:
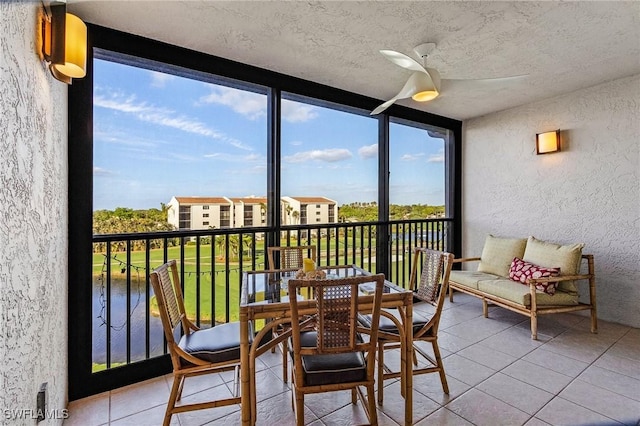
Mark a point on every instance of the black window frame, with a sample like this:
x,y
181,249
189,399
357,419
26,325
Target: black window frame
x,y
137,50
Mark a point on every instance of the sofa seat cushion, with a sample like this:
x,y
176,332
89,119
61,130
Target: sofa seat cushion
x,y
470,278
498,253
520,294
567,258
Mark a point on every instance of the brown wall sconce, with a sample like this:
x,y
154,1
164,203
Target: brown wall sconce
x,y
64,43
548,142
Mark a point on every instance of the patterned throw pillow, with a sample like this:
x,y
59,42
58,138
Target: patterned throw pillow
x,y
521,270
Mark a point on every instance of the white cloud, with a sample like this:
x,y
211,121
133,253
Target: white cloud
x,y
163,116
160,79
254,105
295,143
295,112
99,171
368,151
251,105
436,158
412,157
249,158
327,155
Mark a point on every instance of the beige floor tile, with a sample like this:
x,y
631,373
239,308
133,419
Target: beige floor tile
x,y
626,366
536,422
465,370
515,393
559,411
452,343
537,376
487,356
151,417
323,404
443,417
610,380
92,411
199,417
277,411
393,404
139,397
513,341
610,404
480,329
482,409
627,347
270,384
430,386
556,362
198,383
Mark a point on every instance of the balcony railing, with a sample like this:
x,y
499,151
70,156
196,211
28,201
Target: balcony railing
x,y
126,327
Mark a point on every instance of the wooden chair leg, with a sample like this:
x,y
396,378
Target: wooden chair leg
x,y
371,405
534,326
299,410
177,380
485,308
380,371
354,396
440,365
285,361
179,395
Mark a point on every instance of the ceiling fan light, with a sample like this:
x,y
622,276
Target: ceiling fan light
x,y
425,95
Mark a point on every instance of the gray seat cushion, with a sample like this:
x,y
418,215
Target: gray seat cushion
x,y
330,368
216,344
388,326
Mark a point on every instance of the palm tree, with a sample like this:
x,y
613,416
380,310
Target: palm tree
x,y
289,209
220,243
296,216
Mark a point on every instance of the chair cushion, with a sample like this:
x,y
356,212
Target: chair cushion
x,y
388,326
470,278
216,344
518,293
330,368
498,253
550,255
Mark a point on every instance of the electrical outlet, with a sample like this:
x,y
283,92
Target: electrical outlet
x,y
41,402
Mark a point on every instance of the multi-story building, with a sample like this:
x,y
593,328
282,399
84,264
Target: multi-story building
x,y
308,210
200,212
223,212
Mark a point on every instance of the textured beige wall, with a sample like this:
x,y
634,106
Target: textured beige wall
x,y
588,193
33,219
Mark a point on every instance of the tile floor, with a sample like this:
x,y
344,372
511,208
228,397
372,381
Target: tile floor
x,y
497,375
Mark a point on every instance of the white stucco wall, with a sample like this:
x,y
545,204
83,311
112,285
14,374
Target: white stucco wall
x,y
33,220
589,192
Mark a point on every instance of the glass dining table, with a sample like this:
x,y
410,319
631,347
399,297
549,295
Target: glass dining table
x,y
264,303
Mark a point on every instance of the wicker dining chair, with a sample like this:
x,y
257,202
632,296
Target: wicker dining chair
x,y
290,257
197,351
432,289
326,347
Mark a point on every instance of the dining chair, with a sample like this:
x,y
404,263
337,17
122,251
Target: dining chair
x,y
431,288
327,349
291,257
197,351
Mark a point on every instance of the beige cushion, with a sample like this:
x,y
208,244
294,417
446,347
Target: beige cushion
x,y
520,294
498,253
550,255
470,278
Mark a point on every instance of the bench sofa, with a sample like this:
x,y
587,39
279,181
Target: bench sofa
x,y
528,276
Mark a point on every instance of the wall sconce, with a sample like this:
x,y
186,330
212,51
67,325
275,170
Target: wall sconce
x,y
64,43
548,142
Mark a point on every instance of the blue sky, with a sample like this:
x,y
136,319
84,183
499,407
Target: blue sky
x,y
157,135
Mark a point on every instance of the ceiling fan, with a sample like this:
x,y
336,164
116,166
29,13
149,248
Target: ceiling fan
x,y
424,83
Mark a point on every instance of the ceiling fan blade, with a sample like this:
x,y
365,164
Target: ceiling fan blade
x,y
383,106
495,79
410,88
402,60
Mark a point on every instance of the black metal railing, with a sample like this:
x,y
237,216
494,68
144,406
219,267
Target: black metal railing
x,y
126,327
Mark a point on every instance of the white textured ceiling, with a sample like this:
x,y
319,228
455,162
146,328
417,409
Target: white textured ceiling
x,y
562,46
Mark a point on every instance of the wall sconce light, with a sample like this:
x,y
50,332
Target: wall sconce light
x,y
64,43
548,142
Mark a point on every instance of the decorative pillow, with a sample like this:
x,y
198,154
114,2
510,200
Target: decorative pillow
x,y
520,271
497,254
567,258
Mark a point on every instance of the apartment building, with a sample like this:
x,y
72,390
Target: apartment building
x,y
239,212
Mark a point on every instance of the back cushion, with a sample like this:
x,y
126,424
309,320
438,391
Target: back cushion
x,y
551,255
498,253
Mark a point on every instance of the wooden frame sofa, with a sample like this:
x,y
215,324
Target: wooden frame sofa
x,y
529,293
